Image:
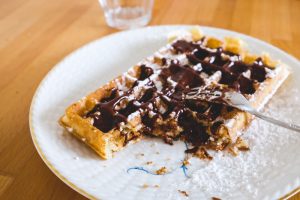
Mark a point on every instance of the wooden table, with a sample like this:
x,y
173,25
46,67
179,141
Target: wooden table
x,y
36,34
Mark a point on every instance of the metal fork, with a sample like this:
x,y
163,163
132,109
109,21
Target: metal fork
x,y
236,100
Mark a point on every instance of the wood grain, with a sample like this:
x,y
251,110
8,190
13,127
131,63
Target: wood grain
x,y
36,34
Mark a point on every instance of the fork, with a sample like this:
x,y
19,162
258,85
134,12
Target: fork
x,y
236,100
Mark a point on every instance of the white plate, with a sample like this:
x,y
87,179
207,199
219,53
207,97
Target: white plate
x,y
269,170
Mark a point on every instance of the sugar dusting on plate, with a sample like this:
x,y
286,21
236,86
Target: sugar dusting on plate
x,y
224,175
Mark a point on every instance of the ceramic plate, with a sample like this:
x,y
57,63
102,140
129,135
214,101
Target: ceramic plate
x,y
270,170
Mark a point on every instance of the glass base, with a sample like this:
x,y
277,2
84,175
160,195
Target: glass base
x,y
127,18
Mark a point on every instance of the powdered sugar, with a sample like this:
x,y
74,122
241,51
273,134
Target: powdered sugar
x,y
226,174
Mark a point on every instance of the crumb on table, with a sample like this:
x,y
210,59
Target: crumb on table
x,y
145,186
215,198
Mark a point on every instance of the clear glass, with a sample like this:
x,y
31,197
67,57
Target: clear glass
x,y
127,14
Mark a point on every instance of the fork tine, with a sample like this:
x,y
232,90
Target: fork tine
x,y
195,89
192,93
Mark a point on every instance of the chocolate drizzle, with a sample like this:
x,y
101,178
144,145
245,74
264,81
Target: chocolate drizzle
x,y
168,102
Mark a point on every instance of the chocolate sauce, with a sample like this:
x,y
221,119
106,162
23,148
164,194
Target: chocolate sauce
x,y
145,72
116,108
232,71
215,127
104,116
182,46
185,76
193,132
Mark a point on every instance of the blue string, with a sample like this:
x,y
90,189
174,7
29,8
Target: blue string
x,y
183,167
141,169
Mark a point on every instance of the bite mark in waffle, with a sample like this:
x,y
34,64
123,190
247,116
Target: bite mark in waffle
x,y
149,99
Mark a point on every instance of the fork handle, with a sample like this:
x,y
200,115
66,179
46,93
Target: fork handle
x,y
290,126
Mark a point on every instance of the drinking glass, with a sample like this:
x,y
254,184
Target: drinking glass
x,y
127,14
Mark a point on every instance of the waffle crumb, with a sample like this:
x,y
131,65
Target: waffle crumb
x,y
157,186
157,152
149,163
183,192
145,186
186,162
161,171
215,198
242,145
203,154
239,145
233,150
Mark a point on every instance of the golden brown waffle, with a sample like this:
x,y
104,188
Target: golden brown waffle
x,y
150,98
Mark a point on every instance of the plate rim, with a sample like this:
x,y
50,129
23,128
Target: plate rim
x,y
46,77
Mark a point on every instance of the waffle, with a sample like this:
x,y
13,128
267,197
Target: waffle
x,y
149,99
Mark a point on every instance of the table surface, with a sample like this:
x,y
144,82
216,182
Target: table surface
x,y
36,34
